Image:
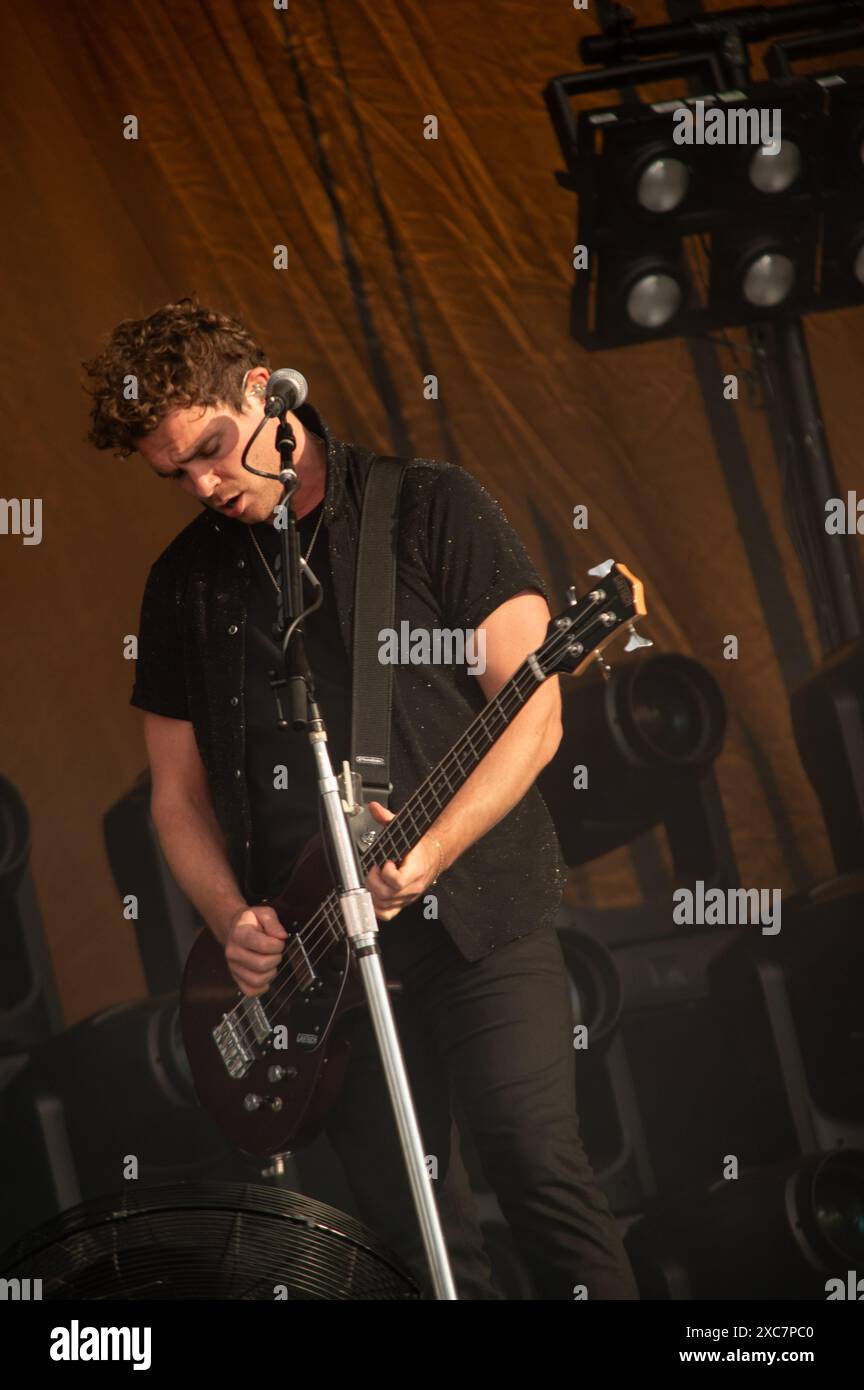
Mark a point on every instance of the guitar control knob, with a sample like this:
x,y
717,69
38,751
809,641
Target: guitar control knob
x,y
275,1073
251,1101
276,1103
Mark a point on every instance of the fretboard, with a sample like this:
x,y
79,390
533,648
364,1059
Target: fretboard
x,y
428,801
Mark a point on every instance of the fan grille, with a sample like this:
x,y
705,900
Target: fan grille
x,y
204,1241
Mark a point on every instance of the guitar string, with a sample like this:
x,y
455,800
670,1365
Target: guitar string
x,y
329,909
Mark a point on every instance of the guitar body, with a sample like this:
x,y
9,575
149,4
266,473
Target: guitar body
x,y
280,1099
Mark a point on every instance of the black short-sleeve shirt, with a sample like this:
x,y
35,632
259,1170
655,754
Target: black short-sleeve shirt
x,y
458,559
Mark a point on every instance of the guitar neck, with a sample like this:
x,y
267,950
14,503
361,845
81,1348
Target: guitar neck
x,y
573,639
428,801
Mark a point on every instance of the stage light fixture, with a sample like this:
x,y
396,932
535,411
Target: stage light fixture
x,y
667,714
29,1001
764,271
792,1011
775,1233
649,737
167,923
14,837
740,219
623,296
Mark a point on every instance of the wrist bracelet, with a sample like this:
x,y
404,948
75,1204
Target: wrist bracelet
x,y
437,845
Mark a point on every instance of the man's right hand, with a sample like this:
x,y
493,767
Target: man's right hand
x,y
253,946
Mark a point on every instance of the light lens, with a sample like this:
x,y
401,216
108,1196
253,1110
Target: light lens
x,y
775,173
768,280
662,185
654,300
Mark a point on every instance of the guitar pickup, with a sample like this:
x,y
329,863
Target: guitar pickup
x,y
301,965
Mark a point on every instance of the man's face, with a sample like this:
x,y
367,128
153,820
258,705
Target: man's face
x,y
200,448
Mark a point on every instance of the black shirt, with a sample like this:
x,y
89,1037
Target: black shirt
x,y
280,769
458,559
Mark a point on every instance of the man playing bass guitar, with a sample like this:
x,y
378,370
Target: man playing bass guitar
x,y
484,1015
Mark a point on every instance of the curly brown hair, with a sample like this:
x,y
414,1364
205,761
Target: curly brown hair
x,y
181,355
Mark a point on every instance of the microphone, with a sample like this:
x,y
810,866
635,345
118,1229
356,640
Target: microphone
x,y
285,390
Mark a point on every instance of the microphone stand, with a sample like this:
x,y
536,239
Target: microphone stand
x,y
355,901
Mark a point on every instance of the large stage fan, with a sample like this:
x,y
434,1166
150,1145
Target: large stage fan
x,y
207,1241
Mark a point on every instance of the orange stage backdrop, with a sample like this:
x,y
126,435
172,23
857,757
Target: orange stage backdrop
x,y
406,257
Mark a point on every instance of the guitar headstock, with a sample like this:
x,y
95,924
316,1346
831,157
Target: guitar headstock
x,y
579,634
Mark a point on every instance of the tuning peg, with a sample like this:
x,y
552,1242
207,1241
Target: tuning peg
x,y
571,594
636,640
603,664
601,571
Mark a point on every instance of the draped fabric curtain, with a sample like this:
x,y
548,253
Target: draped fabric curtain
x,y
405,258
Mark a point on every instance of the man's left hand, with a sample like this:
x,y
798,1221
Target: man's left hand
x,y
393,888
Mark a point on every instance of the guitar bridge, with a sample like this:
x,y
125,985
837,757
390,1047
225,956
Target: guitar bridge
x,y
232,1038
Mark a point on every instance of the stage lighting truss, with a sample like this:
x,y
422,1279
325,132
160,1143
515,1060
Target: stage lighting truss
x,y
683,238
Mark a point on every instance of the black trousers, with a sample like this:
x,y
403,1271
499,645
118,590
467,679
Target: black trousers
x,y
498,1034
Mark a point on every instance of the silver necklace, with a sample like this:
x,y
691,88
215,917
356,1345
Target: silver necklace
x,y
273,580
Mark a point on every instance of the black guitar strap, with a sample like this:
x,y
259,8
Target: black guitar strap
x,y
374,609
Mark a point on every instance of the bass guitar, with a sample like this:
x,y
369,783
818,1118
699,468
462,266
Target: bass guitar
x,y
269,1068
